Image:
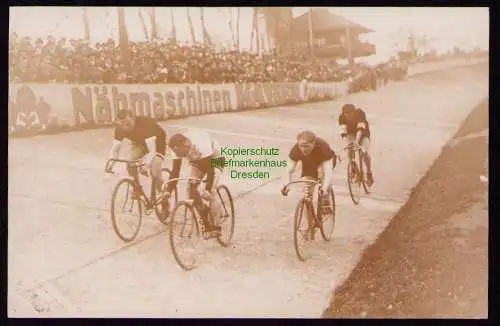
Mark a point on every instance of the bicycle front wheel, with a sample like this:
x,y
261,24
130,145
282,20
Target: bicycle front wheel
x,y
354,182
326,216
162,209
126,223
302,230
184,235
362,168
226,213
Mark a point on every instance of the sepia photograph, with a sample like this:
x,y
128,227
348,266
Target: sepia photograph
x,y
248,162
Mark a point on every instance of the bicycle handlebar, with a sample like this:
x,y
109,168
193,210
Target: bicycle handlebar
x,y
315,182
187,179
109,163
352,146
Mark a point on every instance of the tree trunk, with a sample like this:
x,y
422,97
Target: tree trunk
x,y
174,31
231,28
143,23
86,25
154,26
206,36
311,37
191,27
123,36
238,28
257,30
254,22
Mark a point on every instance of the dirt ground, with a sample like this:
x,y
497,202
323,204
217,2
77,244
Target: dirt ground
x,y
432,260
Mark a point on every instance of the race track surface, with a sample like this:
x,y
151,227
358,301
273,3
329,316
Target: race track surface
x,y
65,260
432,259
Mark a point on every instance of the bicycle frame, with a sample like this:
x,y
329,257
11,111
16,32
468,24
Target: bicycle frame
x,y
148,201
205,220
308,194
351,155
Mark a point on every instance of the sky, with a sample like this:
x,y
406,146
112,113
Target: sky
x,y
467,27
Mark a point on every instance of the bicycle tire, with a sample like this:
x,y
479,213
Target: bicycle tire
x,y
353,166
175,250
362,163
157,209
132,185
326,234
296,224
231,217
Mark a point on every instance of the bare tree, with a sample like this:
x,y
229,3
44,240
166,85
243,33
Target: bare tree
x,y
123,35
174,31
206,36
143,23
277,24
257,13
154,25
255,30
238,28
86,25
191,27
231,27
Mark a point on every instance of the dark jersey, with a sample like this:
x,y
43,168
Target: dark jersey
x,y
357,122
144,128
321,152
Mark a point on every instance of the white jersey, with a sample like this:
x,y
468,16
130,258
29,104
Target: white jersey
x,y
202,145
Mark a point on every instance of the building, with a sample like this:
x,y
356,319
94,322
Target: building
x,y
330,34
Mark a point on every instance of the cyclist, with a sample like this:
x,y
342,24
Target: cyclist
x,y
318,162
148,141
203,154
356,129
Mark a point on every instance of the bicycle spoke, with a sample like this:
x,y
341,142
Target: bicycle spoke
x,y
303,235
184,244
225,213
327,216
123,218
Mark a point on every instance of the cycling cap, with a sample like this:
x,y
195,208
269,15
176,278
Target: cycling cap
x,y
176,140
348,107
122,114
306,135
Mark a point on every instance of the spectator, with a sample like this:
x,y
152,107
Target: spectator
x,y
75,61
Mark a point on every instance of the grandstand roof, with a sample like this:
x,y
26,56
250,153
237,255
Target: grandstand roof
x,y
323,20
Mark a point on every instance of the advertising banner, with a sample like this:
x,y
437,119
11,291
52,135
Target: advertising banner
x,y
36,106
100,103
258,95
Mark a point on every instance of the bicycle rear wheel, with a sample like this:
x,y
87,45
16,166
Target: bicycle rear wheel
x,y
162,217
302,230
184,229
354,182
128,185
326,216
362,169
227,215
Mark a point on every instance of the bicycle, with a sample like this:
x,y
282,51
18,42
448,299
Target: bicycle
x,y
356,175
196,220
316,218
150,203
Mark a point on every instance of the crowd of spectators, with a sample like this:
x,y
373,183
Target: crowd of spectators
x,y
75,61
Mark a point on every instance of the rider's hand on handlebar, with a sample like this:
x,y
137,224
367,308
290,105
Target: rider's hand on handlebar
x,y
108,168
284,190
206,195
